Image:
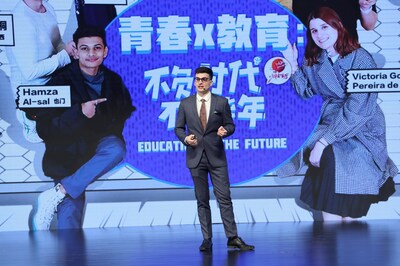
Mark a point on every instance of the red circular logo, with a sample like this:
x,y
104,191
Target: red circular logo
x,y
278,65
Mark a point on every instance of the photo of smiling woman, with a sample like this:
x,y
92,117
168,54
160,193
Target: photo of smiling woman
x,y
348,163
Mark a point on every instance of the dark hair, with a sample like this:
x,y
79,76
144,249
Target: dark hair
x,y
206,70
89,31
345,43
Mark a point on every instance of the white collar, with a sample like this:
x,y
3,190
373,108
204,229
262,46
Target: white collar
x,y
206,97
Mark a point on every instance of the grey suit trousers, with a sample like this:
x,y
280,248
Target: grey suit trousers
x,y
221,186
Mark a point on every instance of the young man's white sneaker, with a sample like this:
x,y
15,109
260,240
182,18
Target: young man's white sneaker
x,y
29,127
46,207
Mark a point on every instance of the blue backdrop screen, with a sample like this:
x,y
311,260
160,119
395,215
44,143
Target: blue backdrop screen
x,y
156,46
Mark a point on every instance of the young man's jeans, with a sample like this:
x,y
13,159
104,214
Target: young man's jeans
x,y
110,151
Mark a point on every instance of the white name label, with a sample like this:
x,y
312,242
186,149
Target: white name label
x,y
43,96
373,80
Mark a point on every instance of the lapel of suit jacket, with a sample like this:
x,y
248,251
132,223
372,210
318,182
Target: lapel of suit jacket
x,y
213,104
194,113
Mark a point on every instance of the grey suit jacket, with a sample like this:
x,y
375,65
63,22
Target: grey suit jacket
x,y
188,122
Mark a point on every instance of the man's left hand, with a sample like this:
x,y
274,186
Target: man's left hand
x,y
222,132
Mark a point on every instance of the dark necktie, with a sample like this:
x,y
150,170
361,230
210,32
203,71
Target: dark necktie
x,y
203,114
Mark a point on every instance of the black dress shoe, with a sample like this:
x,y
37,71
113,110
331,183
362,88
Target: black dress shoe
x,y
237,242
206,245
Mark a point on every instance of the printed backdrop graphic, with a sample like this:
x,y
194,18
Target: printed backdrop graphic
x,y
156,47
21,175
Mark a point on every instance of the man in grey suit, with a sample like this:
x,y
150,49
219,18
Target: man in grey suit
x,y
203,121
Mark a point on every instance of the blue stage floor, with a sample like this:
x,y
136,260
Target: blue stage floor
x,y
306,243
